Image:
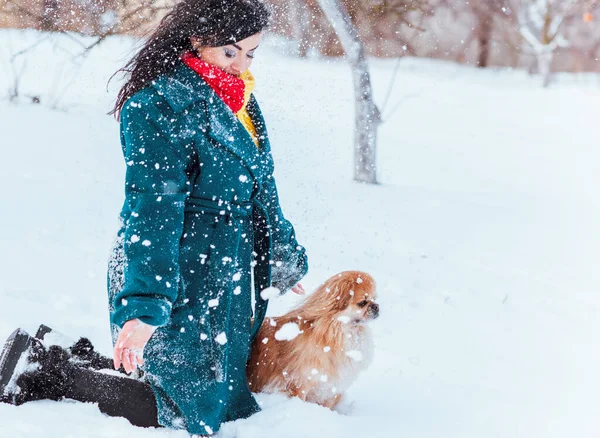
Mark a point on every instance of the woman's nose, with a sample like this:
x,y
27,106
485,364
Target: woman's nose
x,y
239,65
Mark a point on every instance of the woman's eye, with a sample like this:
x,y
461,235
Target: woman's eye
x,y
363,303
230,53
250,55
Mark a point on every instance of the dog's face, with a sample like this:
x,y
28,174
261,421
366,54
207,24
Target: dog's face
x,y
362,306
348,297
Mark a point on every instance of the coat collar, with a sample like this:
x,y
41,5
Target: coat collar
x,y
184,88
259,124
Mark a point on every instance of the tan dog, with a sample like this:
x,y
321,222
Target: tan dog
x,y
316,351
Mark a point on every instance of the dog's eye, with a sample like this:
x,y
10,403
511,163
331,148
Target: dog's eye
x,y
363,303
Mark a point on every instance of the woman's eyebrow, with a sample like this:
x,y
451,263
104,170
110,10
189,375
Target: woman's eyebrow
x,y
239,48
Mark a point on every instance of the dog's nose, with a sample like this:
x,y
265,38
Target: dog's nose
x,y
374,310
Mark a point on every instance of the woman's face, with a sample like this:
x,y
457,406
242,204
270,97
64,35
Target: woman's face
x,y
234,58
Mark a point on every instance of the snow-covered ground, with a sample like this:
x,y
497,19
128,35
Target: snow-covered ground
x,y
483,236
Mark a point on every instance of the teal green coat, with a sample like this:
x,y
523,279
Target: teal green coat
x,y
201,209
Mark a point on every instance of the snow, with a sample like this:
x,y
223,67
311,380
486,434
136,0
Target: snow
x,y
288,331
221,338
57,338
355,355
482,236
270,293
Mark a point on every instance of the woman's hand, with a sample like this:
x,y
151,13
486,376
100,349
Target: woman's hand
x,y
298,289
129,349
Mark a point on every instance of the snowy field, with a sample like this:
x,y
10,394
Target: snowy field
x,y
483,236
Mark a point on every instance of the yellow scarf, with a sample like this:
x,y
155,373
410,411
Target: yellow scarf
x,y
242,114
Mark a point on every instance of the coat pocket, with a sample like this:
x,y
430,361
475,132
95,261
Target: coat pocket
x,y
194,258
183,344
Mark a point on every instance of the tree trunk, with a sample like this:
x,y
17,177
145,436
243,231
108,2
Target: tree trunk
x,y
50,15
544,66
367,115
99,15
299,17
484,38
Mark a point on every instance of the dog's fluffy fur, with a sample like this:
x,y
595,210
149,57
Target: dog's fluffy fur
x,y
333,346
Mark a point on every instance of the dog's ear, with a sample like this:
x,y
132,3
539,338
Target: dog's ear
x,y
338,292
365,287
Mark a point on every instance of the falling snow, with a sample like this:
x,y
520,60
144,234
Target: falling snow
x,y
287,332
221,338
461,236
269,293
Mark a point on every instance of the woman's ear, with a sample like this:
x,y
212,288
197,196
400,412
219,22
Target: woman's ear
x,y
195,43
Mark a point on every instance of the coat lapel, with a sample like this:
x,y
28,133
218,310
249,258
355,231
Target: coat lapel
x,y
184,87
259,125
264,145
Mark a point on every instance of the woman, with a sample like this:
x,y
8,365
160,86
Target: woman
x,y
202,225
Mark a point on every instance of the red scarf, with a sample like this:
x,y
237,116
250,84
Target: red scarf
x,y
228,87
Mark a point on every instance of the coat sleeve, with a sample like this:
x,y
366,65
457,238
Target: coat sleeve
x,y
289,262
157,183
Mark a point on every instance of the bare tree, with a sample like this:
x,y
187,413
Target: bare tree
x,y
50,15
485,12
90,17
100,18
541,25
483,15
367,115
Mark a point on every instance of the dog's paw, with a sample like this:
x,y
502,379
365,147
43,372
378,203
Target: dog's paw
x,y
345,407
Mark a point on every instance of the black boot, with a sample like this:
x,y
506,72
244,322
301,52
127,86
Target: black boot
x,y
82,351
48,382
30,371
13,358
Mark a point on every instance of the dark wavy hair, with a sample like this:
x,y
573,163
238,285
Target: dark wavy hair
x,y
213,23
